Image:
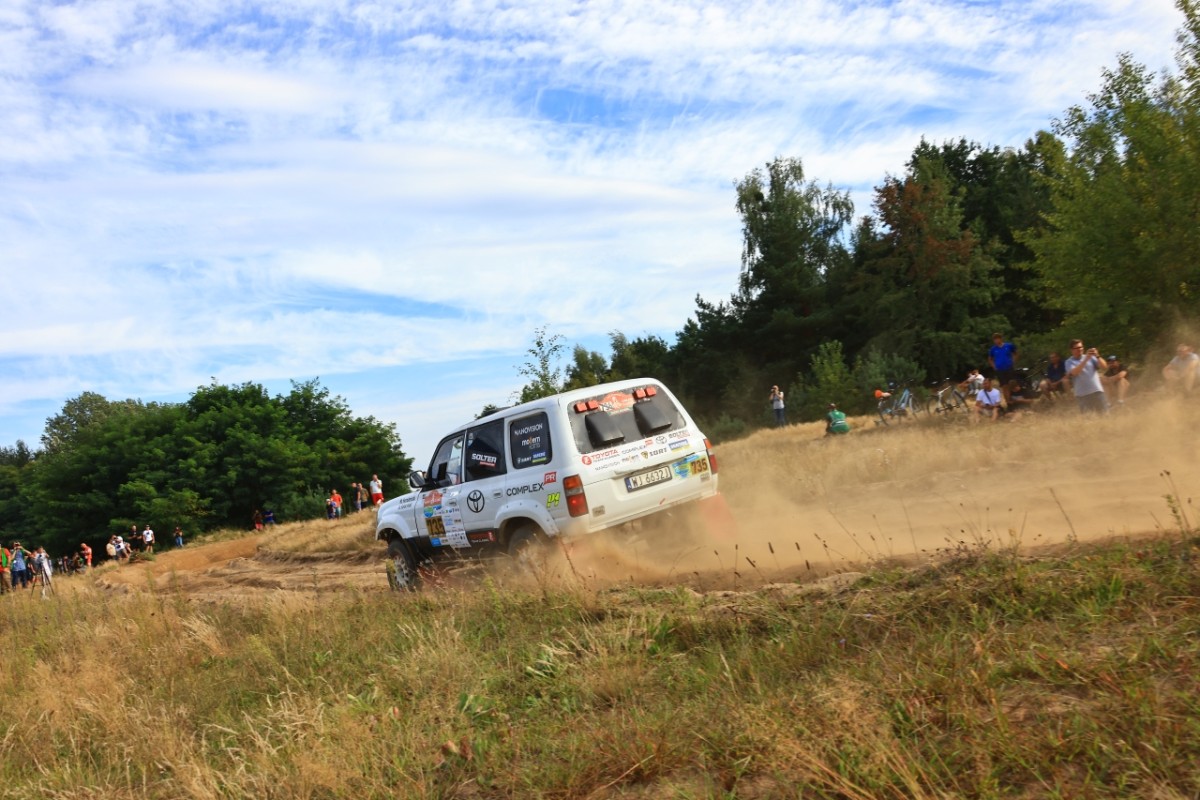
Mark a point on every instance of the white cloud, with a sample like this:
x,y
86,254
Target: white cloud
x,y
253,190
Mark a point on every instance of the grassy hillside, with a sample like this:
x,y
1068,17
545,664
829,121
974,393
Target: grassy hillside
x,y
979,669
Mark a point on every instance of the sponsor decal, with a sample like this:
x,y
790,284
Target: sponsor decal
x,y
476,501
531,441
553,499
679,444
433,504
484,460
683,467
436,542
616,401
479,537
528,488
539,458
679,434
648,454
550,477
535,427
587,460
659,439
437,527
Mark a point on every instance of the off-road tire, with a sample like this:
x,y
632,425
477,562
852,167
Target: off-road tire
x,y
402,572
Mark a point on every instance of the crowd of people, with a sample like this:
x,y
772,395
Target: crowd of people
x,y
1097,383
360,495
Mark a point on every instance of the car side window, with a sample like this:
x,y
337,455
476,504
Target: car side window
x,y
529,442
485,451
446,467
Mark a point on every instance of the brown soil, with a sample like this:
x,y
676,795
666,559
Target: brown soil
x,y
795,507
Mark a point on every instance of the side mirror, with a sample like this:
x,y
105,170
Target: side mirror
x,y
416,479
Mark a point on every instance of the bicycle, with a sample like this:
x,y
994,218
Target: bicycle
x,y
948,398
899,406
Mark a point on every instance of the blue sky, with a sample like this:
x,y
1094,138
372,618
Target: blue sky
x,y
392,196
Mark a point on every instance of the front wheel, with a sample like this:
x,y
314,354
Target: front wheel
x,y
402,567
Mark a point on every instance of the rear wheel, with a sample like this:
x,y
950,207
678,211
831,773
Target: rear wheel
x,y
526,548
402,567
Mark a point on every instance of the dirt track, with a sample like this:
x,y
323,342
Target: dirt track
x,y
804,507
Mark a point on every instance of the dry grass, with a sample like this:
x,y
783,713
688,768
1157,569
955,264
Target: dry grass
x,y
982,672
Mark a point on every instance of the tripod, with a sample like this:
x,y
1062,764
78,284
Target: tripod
x,y
43,577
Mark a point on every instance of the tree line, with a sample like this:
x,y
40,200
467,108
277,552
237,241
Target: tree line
x,y
209,462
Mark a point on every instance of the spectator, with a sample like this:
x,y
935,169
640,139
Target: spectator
x,y
776,398
148,539
987,402
1054,380
179,536
21,570
835,421
1084,369
85,551
257,519
1002,356
360,495
1116,379
971,384
43,571
376,490
1181,372
1018,400
268,517
5,566
337,503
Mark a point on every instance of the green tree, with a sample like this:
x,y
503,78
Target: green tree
x,y
542,369
1118,256
587,368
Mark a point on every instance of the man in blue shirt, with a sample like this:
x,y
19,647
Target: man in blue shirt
x,y
1002,356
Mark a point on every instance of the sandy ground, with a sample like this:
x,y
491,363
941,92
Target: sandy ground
x,y
798,506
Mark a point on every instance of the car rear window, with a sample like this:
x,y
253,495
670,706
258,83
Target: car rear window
x,y
620,418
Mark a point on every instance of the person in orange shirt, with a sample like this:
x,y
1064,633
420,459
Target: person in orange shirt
x,y
337,504
86,551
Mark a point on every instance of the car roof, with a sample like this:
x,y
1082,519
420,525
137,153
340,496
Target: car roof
x,y
560,399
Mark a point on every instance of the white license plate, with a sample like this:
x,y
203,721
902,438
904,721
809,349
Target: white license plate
x,y
649,478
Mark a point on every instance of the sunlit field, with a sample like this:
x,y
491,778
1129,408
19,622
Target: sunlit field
x,y
931,610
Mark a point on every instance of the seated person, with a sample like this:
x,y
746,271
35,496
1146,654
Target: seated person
x,y
1181,372
1115,380
1018,399
1054,381
973,383
835,421
988,401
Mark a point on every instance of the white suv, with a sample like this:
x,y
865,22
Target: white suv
x,y
574,463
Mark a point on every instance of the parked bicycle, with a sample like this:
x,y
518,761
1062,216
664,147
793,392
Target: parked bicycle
x,y
948,398
898,405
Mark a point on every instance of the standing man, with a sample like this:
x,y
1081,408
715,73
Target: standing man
x,y
337,504
1002,356
178,536
376,490
776,397
148,539
1084,368
1183,368
86,551
21,572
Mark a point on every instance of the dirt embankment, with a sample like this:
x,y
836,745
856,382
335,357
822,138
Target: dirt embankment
x,y
803,506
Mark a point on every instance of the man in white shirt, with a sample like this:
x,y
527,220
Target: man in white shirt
x,y
1084,368
1183,368
148,538
987,401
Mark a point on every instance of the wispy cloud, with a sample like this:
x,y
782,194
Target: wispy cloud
x,y
274,190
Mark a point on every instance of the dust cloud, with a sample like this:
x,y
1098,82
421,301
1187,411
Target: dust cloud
x,y
803,506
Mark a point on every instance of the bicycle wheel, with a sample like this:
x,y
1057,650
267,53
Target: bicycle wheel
x,y
885,410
